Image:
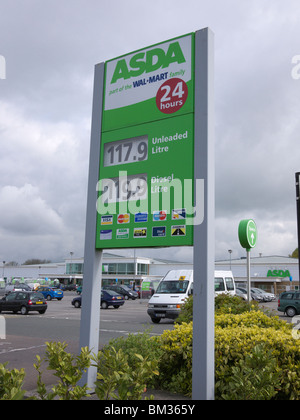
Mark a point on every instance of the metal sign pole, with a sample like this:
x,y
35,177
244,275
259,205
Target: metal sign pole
x,y
204,234
248,276
92,275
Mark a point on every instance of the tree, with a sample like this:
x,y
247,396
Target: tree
x,y
35,261
294,254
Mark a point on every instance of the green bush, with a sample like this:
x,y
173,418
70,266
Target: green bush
x,y
254,377
236,341
224,304
11,383
227,304
67,368
118,380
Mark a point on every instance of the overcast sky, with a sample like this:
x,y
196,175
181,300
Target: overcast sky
x,y
50,48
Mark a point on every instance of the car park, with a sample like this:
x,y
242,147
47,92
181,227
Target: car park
x,y
108,298
24,302
50,293
289,303
123,290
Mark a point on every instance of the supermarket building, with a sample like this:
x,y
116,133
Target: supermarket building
x,y
271,273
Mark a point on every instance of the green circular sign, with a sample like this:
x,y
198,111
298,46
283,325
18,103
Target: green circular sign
x,y
247,233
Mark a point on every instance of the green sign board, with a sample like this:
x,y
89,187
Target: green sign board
x,y
279,273
146,176
247,233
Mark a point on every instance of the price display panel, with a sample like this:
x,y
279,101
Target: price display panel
x,y
146,174
144,198
126,151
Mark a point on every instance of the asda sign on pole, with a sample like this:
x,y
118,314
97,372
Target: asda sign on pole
x,y
152,162
146,177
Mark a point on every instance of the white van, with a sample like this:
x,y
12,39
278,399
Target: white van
x,y
176,287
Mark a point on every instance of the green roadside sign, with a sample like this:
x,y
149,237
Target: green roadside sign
x,y
146,175
247,233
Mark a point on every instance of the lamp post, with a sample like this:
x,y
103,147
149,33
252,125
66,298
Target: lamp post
x,y
230,252
3,270
71,266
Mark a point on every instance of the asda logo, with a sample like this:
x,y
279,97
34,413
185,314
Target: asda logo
x,y
147,62
279,273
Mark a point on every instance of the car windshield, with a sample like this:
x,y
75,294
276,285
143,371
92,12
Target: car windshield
x,y
126,288
172,286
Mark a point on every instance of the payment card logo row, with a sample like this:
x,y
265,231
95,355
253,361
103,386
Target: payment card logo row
x,y
157,232
158,216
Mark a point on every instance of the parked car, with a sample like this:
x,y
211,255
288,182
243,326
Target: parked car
x,y
289,303
70,287
123,290
108,298
17,287
242,293
23,301
50,293
265,296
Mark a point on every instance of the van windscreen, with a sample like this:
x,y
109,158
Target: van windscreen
x,y
172,286
229,283
219,284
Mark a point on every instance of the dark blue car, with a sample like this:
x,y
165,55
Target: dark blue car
x,y
108,298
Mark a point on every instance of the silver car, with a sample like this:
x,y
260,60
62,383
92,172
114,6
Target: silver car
x,y
262,295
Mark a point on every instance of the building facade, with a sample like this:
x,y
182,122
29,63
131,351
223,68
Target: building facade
x,y
275,274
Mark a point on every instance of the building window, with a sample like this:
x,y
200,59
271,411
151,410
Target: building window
x,y
142,269
74,268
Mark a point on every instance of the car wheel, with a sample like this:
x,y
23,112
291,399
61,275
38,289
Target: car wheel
x,y
49,297
291,312
77,304
104,305
126,297
116,306
42,312
155,320
24,310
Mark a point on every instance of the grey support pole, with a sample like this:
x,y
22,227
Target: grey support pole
x,y
204,234
90,312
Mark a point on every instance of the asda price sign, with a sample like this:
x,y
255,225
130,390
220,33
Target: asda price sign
x,y
146,175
